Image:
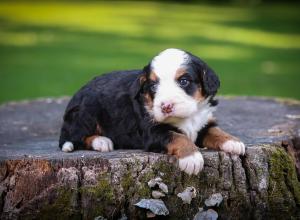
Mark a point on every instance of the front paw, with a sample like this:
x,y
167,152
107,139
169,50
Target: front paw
x,y
191,164
102,144
234,147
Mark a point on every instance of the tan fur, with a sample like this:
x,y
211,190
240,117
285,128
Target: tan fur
x,y
148,100
89,140
198,95
179,72
142,78
153,76
181,146
216,137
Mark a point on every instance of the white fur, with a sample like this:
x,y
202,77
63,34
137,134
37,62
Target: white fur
x,y
191,125
102,144
192,164
67,147
188,114
169,92
234,147
165,66
167,62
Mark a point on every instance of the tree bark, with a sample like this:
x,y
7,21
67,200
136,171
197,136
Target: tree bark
x,y
38,181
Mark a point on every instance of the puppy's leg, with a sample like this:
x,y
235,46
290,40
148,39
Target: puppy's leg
x,y
78,124
99,143
189,158
217,139
67,147
64,143
166,138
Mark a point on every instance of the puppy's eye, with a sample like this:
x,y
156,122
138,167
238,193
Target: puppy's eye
x,y
153,87
183,82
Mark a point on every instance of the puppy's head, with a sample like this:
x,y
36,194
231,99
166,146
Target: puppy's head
x,y
175,83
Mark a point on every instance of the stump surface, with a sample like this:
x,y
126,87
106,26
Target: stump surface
x,y
37,180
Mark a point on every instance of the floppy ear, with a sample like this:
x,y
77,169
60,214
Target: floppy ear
x,y
211,82
137,86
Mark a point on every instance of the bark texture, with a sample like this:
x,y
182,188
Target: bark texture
x,y
38,181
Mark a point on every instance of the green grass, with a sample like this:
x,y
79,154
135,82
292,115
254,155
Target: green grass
x,y
53,48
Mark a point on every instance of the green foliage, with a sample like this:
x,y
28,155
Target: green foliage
x,y
53,48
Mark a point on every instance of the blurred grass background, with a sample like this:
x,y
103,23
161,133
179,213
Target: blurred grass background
x,y
52,48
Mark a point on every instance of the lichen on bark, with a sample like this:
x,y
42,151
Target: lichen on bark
x,y
284,187
61,206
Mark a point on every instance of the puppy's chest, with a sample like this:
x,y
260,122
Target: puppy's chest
x,y
192,125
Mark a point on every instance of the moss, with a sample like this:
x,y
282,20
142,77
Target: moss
x,y
168,169
147,176
127,182
99,199
144,191
102,191
284,187
191,180
140,190
61,208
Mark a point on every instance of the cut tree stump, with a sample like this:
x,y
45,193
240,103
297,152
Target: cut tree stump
x,y
38,181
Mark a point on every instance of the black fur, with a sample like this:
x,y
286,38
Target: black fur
x,y
209,80
202,133
115,102
194,82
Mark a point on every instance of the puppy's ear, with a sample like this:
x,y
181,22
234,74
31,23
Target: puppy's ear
x,y
137,86
211,82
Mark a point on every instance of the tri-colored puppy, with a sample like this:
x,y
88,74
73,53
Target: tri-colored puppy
x,y
166,107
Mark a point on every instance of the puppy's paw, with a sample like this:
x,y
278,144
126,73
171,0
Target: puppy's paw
x,y
102,144
234,147
67,147
192,164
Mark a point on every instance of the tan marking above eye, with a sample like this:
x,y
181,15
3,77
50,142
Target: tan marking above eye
x,y
153,76
180,72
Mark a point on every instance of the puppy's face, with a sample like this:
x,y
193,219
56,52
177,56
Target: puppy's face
x,y
175,83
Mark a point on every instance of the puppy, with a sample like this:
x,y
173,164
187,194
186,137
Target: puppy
x,y
166,107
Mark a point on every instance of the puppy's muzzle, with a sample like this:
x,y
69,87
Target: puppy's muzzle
x,y
167,108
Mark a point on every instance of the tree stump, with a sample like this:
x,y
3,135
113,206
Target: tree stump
x,y
38,181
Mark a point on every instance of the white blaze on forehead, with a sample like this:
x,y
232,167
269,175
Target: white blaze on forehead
x,y
168,61
165,66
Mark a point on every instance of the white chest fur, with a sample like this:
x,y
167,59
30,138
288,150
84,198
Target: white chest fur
x,y
192,125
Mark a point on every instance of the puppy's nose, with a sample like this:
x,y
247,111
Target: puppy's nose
x,y
167,108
